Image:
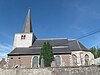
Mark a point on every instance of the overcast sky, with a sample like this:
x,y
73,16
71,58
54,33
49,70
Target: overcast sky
x,y
70,19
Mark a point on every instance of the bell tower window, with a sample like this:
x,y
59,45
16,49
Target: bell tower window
x,y
23,37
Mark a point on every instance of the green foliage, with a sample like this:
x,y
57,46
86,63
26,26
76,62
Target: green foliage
x,y
98,52
95,51
47,54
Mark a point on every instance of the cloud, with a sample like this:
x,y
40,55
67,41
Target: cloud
x,y
3,55
5,35
4,50
5,47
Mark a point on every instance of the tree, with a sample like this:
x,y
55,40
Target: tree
x,y
98,52
47,54
94,51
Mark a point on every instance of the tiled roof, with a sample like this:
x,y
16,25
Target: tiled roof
x,y
53,42
36,51
75,45
60,46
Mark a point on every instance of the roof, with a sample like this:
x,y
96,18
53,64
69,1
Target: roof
x,y
75,45
60,46
36,51
53,42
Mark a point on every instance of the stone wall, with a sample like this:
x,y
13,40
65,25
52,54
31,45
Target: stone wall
x,y
86,70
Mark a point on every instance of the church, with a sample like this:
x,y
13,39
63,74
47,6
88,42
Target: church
x,y
26,50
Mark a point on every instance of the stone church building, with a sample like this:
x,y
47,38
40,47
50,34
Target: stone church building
x,y
26,50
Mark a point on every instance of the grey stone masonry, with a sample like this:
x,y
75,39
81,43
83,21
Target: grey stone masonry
x,y
83,70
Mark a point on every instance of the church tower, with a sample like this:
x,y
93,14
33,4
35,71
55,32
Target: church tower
x,y
27,37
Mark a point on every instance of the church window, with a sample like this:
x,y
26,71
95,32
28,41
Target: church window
x,y
74,58
58,60
35,62
23,37
86,59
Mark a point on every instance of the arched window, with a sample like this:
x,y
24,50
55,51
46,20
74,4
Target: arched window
x,y
74,58
58,60
86,59
35,62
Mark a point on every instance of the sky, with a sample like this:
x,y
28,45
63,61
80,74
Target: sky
x,y
70,19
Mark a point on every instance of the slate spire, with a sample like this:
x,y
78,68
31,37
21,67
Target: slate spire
x,y
28,25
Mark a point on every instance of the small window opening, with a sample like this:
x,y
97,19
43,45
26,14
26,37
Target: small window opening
x,y
23,37
19,58
11,58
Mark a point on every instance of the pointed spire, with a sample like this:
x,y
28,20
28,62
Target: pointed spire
x,y
28,24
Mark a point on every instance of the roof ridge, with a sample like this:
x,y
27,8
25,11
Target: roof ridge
x,y
51,38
